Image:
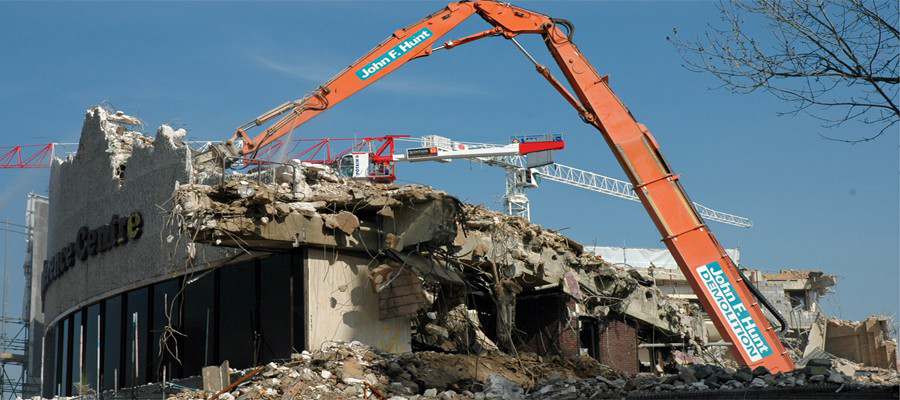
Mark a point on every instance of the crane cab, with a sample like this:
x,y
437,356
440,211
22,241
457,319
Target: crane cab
x,y
526,178
359,165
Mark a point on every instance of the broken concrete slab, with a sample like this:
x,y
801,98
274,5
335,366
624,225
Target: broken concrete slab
x,y
439,244
867,342
216,377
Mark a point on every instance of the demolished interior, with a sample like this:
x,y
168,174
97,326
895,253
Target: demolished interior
x,y
393,269
463,273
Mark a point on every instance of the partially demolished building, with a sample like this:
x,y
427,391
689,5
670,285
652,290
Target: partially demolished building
x,y
794,293
162,261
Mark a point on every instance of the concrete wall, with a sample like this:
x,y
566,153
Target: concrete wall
x,y
342,304
867,342
797,318
84,192
36,219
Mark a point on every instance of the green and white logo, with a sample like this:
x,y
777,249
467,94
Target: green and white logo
x,y
736,314
398,51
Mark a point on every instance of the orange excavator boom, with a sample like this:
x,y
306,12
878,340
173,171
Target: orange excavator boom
x,y
719,285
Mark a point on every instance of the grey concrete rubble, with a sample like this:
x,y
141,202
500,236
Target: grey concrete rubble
x,y
121,141
858,344
353,370
427,249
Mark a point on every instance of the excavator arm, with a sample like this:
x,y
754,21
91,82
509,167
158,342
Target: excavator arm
x,y
719,285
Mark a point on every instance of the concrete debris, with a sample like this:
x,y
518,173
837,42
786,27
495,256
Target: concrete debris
x,y
445,247
238,208
866,342
120,118
345,221
216,377
458,331
698,378
175,137
352,370
818,281
119,140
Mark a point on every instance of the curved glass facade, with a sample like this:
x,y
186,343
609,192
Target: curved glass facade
x,y
248,313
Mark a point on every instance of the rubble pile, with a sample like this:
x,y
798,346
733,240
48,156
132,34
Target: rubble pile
x,y
818,374
353,370
450,248
239,204
218,210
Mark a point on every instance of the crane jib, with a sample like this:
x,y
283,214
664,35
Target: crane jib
x,y
398,51
736,314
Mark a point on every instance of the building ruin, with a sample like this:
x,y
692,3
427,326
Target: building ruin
x,y
162,260
160,263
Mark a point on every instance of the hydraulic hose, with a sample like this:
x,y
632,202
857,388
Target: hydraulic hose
x,y
765,302
570,27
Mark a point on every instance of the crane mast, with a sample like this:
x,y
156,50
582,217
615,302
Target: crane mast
x,y
722,291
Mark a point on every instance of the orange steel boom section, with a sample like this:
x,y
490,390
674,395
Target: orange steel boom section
x,y
712,274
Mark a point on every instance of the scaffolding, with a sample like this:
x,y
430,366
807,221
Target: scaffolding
x,y
13,346
14,329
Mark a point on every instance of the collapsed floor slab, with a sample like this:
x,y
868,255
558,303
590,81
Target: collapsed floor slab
x,y
429,253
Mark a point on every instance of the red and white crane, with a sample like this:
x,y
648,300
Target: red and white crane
x,y
375,158
526,160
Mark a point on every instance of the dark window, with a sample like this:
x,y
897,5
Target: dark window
x,y
298,311
237,315
165,310
137,321
77,351
539,321
274,308
589,336
49,382
797,299
92,346
112,343
248,313
198,324
65,358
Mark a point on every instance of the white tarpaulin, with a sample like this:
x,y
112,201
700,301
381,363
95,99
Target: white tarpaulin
x,y
644,258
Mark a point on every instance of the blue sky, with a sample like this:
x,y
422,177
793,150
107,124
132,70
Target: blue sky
x,y
210,67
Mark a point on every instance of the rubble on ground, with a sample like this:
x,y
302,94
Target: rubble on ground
x,y
352,370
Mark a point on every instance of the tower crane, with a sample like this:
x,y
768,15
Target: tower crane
x,y
521,176
375,157
733,303
525,159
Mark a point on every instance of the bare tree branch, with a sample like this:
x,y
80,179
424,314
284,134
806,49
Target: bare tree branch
x,y
835,60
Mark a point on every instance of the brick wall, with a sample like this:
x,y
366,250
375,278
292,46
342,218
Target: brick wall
x,y
618,346
403,297
569,343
